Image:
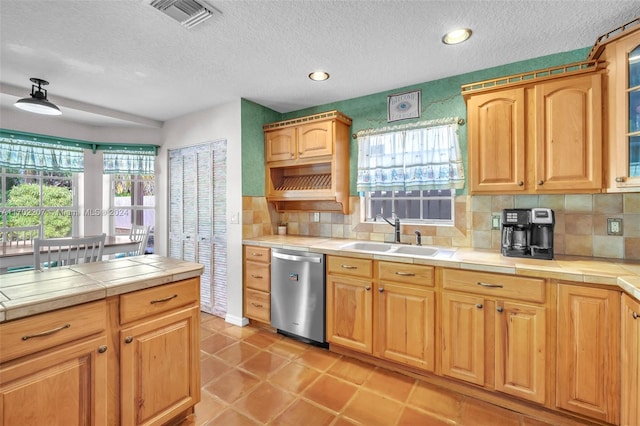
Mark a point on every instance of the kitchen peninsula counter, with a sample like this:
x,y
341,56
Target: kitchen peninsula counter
x,y
611,272
23,294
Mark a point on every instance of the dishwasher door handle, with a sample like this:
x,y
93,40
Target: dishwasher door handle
x,y
297,258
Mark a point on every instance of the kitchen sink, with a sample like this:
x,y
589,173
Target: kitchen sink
x,y
395,249
416,250
367,246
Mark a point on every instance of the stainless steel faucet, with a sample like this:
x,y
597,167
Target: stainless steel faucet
x,y
418,238
395,224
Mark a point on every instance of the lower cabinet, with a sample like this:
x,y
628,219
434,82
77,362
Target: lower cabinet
x,y
257,283
490,340
588,352
391,316
630,344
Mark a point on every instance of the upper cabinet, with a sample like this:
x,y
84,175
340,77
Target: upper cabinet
x,y
523,129
620,49
307,163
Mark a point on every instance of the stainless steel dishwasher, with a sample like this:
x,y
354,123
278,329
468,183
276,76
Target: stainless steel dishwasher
x,y
298,294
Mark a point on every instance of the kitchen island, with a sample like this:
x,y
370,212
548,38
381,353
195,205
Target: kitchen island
x,y
555,339
114,342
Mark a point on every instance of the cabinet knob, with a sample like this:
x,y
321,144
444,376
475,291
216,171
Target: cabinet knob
x,y
479,306
635,315
620,179
520,183
367,288
540,182
128,339
102,349
499,309
381,289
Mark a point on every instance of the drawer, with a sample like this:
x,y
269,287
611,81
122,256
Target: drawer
x,y
257,276
144,303
258,305
494,285
406,273
45,331
350,266
257,254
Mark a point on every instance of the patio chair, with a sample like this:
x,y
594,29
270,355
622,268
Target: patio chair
x,y
137,233
52,253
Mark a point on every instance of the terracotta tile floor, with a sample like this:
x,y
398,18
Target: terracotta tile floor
x,y
251,376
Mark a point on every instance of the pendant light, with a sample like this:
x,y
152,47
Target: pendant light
x,y
38,101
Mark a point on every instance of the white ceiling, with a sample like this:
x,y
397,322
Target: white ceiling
x,y
122,62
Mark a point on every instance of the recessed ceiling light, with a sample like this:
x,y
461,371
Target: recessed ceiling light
x,y
456,36
319,76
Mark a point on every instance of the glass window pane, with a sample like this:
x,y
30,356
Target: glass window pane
x,y
634,111
634,67
57,194
634,156
57,224
24,195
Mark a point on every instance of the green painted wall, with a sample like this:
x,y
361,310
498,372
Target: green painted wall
x,y
253,117
440,99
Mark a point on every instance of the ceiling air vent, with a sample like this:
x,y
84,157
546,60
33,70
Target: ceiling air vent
x,y
188,12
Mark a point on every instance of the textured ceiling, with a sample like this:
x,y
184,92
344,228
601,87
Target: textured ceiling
x,y
121,62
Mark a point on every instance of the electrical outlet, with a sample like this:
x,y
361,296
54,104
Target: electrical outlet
x,y
495,220
614,226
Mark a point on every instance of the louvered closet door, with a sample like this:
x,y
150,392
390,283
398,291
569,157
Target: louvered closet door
x,y
197,217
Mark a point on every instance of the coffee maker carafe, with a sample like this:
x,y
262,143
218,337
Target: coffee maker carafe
x,y
528,233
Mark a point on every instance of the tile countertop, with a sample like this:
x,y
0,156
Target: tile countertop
x,y
614,272
31,292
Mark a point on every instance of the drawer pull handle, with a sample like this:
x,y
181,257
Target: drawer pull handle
x,y
405,274
256,254
635,315
480,283
166,299
499,309
128,339
479,306
257,305
46,333
348,267
256,276
102,349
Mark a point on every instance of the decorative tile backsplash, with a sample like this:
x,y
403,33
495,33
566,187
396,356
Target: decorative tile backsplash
x,y
581,223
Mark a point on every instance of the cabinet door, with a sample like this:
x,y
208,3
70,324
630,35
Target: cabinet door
x,y
407,324
280,144
588,352
349,313
521,350
160,368
315,139
568,134
65,386
497,141
630,406
463,344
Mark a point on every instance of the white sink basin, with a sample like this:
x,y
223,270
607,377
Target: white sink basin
x,y
367,246
415,250
392,249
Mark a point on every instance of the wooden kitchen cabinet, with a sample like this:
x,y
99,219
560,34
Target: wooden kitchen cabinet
x,y
630,373
406,314
159,353
307,163
494,332
257,283
588,352
620,49
349,304
496,135
54,368
521,135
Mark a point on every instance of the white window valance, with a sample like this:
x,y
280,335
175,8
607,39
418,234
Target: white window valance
x,y
420,156
31,155
129,163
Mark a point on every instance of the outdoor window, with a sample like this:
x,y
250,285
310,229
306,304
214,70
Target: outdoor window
x,y
411,171
38,185
132,192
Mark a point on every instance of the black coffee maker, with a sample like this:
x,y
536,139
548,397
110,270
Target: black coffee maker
x,y
528,233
